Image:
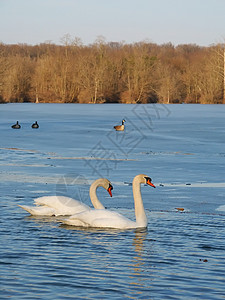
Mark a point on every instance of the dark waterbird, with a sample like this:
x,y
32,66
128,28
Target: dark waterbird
x,y
16,126
35,125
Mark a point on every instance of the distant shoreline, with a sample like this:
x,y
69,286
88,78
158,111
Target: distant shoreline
x,y
142,72
75,103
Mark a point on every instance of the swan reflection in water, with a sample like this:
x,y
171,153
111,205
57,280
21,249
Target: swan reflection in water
x,y
138,244
102,249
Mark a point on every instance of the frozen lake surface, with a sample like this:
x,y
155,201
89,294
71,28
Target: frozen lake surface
x,y
180,256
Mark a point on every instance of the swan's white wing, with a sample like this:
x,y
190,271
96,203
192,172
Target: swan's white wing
x,y
39,210
62,205
100,218
56,201
55,206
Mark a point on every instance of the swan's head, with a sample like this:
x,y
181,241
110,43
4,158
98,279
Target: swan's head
x,y
149,181
142,178
106,184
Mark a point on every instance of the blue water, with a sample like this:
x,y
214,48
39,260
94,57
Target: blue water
x,y
182,253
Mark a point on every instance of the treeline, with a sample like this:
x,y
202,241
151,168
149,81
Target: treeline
x,y
112,72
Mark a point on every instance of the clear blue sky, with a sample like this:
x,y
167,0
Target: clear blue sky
x,y
200,22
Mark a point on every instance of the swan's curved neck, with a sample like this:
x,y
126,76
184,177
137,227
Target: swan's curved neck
x,y
92,192
141,218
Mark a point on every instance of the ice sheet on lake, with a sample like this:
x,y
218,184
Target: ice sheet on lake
x,y
183,152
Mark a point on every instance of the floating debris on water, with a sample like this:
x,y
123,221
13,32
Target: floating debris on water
x,y
179,208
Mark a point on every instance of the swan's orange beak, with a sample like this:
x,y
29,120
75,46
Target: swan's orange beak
x,y
150,183
110,190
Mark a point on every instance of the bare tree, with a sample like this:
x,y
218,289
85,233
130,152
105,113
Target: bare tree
x,y
218,63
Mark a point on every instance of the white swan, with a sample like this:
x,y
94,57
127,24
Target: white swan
x,y
61,206
110,219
